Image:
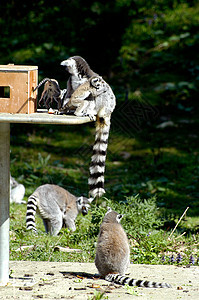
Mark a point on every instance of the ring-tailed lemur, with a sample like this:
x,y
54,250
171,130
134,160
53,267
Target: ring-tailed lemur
x,y
51,92
17,191
80,72
113,253
56,206
93,87
102,106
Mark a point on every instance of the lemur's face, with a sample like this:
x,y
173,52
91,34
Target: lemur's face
x,y
83,204
70,64
97,82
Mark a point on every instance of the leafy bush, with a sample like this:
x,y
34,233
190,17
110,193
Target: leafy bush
x,y
139,216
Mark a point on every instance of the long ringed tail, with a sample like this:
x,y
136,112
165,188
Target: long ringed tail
x,y
30,214
41,82
120,279
97,165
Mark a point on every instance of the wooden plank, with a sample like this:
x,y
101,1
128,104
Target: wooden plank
x,y
42,117
17,68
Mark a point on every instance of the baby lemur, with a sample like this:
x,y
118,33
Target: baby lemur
x,y
56,206
113,253
91,89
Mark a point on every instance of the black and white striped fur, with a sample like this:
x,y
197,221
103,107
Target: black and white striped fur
x,y
56,206
122,279
42,82
104,104
98,159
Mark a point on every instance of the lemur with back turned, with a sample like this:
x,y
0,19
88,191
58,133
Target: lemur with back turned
x,y
93,101
113,253
50,93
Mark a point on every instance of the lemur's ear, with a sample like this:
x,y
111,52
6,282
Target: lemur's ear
x,y
90,200
119,218
80,200
108,210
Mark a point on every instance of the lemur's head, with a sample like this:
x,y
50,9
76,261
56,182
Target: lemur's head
x,y
97,82
112,216
70,65
76,65
83,204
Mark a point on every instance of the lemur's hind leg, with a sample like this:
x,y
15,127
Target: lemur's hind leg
x,y
82,105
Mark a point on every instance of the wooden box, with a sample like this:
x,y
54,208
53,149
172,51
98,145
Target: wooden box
x,y
16,89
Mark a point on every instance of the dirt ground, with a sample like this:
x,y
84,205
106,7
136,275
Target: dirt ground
x,y
54,280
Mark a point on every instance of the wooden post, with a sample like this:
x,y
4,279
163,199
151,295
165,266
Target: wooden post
x,y
4,201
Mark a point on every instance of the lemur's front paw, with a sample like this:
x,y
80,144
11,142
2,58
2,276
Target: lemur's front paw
x,y
91,116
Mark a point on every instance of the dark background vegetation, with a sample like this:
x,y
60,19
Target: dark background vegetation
x,y
148,52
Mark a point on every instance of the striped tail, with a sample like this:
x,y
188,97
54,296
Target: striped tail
x,y
41,82
30,214
97,166
120,279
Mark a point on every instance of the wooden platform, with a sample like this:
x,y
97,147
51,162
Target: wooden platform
x,y
43,117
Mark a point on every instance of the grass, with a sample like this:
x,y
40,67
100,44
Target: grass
x,y
151,177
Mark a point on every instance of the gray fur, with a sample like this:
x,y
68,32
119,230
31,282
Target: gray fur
x,y
80,72
113,253
97,102
56,206
17,191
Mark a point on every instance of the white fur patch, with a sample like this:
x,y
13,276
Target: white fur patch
x,y
96,169
97,192
92,181
31,209
17,193
71,65
98,158
102,135
100,147
108,210
119,218
31,224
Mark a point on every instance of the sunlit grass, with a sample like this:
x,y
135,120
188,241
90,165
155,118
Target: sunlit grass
x,y
150,163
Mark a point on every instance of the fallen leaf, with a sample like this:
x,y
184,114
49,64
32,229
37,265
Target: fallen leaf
x,y
67,249
24,248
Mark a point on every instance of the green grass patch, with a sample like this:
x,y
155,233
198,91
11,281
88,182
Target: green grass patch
x,y
151,177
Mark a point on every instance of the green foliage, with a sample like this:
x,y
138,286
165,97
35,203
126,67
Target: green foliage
x,y
158,167
147,242
157,47
148,47
131,290
98,296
